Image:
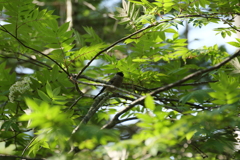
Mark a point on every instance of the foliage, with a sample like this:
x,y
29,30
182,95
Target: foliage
x,y
184,103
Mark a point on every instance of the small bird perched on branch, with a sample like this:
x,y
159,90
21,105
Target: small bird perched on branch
x,y
115,81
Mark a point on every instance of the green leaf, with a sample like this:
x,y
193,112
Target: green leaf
x,y
31,104
56,91
55,72
57,55
189,135
49,90
7,150
144,117
198,95
45,145
162,36
235,44
63,28
44,96
149,102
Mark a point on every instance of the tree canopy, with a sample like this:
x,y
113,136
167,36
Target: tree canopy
x,y
174,103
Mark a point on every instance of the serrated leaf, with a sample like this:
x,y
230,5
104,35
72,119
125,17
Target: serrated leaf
x,y
198,95
43,96
63,28
35,14
57,55
49,90
149,102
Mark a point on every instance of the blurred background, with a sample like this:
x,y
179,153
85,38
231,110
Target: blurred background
x,y
99,14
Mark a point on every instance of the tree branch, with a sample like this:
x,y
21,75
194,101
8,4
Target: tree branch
x,y
139,31
115,43
75,102
176,100
16,134
5,30
31,60
111,86
93,109
115,119
128,119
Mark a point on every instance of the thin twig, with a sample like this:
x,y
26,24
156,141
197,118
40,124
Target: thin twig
x,y
93,109
5,30
128,119
28,145
35,62
111,86
16,134
176,100
199,150
75,102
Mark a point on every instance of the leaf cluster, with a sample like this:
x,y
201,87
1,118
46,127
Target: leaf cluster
x,y
174,102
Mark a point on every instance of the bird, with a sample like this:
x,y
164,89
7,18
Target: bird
x,y
115,81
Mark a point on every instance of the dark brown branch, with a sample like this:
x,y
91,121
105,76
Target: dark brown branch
x,y
124,85
115,119
194,146
44,64
176,100
128,119
189,84
111,86
190,76
74,103
31,60
197,83
233,27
